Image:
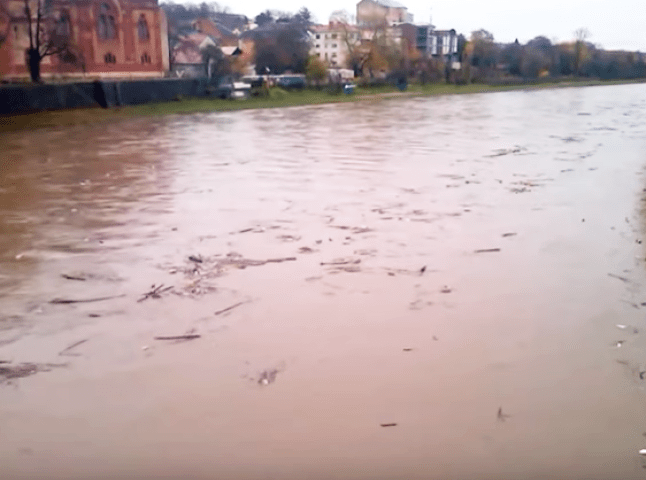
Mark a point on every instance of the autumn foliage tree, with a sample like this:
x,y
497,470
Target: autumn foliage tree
x,y
315,71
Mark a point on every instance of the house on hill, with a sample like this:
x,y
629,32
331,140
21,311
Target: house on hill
x,y
231,21
222,34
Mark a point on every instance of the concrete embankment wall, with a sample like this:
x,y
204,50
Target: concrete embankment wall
x,y
16,99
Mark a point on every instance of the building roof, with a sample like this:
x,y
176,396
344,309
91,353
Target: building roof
x,y
270,30
389,4
231,21
444,32
230,50
333,27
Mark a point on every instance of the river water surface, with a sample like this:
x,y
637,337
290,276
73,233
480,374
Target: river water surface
x,y
430,288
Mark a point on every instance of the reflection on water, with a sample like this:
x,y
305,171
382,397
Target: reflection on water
x,y
356,332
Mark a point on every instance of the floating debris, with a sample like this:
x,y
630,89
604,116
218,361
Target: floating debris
x,y
199,274
189,336
445,289
487,250
502,416
505,151
224,310
73,277
343,261
510,234
623,279
288,238
87,300
355,230
66,351
155,292
388,424
10,372
268,376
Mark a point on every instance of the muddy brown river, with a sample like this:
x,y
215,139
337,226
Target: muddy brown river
x,y
428,288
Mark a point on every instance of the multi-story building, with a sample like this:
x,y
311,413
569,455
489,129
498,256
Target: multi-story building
x,y
432,43
334,42
375,12
108,38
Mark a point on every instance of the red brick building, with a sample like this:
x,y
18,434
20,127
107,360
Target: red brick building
x,y
109,38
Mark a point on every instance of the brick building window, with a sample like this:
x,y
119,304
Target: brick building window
x,y
106,25
109,58
142,29
145,58
63,27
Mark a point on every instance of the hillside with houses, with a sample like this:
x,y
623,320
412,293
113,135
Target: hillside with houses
x,y
376,40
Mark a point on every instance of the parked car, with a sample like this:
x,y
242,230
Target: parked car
x,y
291,82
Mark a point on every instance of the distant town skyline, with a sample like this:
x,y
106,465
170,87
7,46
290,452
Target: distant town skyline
x,y
616,25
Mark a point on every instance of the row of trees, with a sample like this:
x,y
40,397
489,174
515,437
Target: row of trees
x,y
302,17
282,41
540,57
181,12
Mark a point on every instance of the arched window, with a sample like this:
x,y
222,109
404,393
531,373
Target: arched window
x,y
142,28
106,25
109,58
145,58
63,26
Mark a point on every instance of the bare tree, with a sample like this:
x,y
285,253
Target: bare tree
x,y
47,36
217,65
581,35
371,46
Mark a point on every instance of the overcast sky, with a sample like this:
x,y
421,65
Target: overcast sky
x,y
613,24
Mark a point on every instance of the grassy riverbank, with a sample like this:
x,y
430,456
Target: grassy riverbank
x,y
277,99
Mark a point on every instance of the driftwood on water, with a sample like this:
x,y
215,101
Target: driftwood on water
x,y
85,300
66,351
191,336
73,277
155,292
224,310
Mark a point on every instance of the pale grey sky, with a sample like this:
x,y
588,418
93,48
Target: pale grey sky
x,y
614,24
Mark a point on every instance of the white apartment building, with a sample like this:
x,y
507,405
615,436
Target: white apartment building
x,y
330,43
